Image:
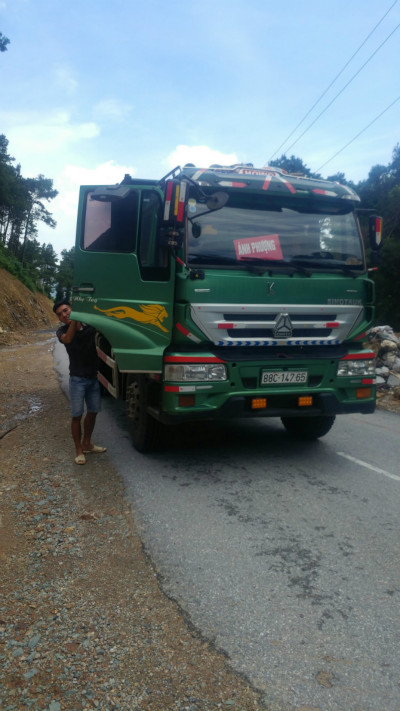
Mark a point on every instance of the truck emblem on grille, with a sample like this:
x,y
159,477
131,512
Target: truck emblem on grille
x,y
283,326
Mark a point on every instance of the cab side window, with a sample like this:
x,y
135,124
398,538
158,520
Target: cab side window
x,y
111,226
153,256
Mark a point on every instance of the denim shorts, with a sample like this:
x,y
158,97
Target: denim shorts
x,y
83,390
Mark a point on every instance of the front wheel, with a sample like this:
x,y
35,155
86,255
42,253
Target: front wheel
x,y
308,428
144,429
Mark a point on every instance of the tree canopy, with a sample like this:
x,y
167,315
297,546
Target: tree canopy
x,y
22,208
381,191
4,41
294,166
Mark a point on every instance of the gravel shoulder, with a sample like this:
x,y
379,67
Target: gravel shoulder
x,y
84,623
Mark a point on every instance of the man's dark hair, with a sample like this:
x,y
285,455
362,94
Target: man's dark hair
x,y
60,303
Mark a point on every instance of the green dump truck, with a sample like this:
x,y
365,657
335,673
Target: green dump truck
x,y
227,292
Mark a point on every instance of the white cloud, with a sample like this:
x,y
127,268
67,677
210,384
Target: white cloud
x,y
73,176
201,156
107,173
38,140
65,78
112,109
48,134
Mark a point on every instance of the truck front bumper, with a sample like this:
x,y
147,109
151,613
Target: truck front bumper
x,y
277,406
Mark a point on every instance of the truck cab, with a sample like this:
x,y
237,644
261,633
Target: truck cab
x,y
227,292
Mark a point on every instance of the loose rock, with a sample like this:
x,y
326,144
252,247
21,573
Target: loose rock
x,y
386,346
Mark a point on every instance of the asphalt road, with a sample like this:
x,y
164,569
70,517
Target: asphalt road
x,y
285,554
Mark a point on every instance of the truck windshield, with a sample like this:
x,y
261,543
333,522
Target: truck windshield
x,y
321,238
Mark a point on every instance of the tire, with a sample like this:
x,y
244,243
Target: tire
x,y
308,428
145,430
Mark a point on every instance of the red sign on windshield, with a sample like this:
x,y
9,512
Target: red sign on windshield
x,y
265,247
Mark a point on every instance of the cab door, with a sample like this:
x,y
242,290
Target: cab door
x,y
123,277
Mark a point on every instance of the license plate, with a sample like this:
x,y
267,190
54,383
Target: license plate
x,y
284,377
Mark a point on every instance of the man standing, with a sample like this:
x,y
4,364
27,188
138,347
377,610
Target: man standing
x,y
78,338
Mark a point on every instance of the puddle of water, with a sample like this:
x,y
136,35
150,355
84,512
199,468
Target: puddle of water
x,y
34,406
44,343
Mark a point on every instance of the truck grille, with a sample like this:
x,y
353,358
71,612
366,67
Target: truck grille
x,y
275,325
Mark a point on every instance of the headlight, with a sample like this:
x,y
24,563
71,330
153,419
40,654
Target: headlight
x,y
361,368
200,372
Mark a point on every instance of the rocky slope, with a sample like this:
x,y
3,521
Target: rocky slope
x,y
21,310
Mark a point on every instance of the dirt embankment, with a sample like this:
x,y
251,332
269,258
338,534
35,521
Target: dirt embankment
x,y
21,310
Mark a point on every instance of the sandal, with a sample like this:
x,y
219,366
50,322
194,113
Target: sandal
x,y
95,450
80,459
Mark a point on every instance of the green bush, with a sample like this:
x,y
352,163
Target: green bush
x,y
12,265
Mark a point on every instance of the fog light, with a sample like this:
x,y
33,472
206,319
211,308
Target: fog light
x,y
186,400
362,393
305,401
258,403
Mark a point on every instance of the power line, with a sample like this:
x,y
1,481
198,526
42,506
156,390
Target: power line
x,y
333,81
343,88
358,134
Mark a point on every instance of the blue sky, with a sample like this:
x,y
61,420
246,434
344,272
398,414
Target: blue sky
x,y
92,89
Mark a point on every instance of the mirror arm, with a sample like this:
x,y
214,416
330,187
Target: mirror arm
x,y
196,186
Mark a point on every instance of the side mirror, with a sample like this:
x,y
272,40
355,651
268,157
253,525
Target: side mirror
x,y
196,230
375,232
217,200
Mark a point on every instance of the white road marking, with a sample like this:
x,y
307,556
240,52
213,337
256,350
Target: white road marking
x,y
369,466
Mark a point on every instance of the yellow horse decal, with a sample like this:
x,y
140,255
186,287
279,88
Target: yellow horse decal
x,y
153,314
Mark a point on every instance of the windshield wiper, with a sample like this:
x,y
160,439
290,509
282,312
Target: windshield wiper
x,y
276,263
210,259
327,262
250,262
